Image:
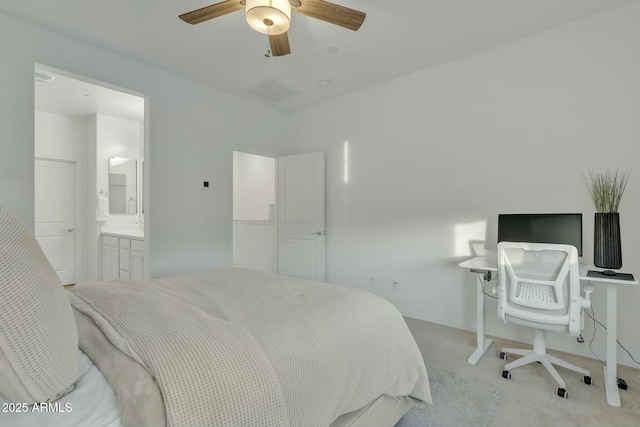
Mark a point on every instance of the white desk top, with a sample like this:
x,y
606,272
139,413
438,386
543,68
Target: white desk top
x,y
483,263
490,263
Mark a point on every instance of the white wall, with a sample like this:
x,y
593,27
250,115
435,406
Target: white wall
x,y
255,245
254,186
191,129
59,137
433,155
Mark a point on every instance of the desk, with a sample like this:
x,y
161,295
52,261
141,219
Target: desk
x,y
487,266
482,266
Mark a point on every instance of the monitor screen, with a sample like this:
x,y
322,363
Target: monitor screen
x,y
541,228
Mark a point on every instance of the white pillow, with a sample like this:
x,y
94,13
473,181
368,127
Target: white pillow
x,y
38,334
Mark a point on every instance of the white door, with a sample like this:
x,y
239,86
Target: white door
x,y
300,201
55,215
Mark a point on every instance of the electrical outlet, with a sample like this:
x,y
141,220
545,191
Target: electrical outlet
x,y
394,284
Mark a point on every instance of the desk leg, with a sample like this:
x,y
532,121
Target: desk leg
x,y
610,371
482,343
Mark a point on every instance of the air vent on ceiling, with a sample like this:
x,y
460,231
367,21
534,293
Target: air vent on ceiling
x,y
43,77
272,91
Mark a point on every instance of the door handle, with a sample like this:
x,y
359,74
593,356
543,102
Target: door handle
x,y
70,229
319,233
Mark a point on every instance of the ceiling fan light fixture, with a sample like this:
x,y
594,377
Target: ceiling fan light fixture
x,y
271,17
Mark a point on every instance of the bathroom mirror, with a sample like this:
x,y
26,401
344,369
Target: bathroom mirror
x,y
123,197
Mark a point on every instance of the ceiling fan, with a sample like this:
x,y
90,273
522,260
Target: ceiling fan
x,y
273,17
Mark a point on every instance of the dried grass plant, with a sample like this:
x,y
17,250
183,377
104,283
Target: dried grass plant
x,y
606,188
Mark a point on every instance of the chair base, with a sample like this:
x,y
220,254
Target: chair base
x,y
539,354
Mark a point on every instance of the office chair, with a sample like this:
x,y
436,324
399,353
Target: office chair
x,y
539,287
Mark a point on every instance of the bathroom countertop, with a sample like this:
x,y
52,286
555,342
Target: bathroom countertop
x,y
131,234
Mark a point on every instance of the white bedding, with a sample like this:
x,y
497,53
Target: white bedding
x,y
92,403
223,348
323,350
334,351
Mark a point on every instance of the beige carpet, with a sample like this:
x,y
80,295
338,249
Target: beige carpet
x,y
530,399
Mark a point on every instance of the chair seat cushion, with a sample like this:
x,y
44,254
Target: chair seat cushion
x,y
538,325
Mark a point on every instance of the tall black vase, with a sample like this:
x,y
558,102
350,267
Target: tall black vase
x,y
607,249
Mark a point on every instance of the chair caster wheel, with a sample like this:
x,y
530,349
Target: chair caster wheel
x,y
503,355
563,393
506,374
587,380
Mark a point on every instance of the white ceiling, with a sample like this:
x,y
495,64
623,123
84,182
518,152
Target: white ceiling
x,y
397,38
76,98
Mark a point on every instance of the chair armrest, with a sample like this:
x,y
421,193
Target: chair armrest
x,y
586,300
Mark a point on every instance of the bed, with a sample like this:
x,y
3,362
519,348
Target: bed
x,y
229,347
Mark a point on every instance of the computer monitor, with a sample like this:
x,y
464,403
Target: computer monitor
x,y
541,228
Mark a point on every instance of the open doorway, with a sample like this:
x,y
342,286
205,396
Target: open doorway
x,y
254,222
79,127
279,214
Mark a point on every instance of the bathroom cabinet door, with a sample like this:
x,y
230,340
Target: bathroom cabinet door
x,y
110,258
137,259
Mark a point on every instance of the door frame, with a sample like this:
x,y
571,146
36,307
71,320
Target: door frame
x,y
264,153
77,211
91,258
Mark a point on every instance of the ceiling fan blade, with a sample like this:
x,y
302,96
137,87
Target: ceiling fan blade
x,y
332,13
279,45
213,11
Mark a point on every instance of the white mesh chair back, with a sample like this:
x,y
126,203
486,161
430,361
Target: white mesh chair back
x,y
539,285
